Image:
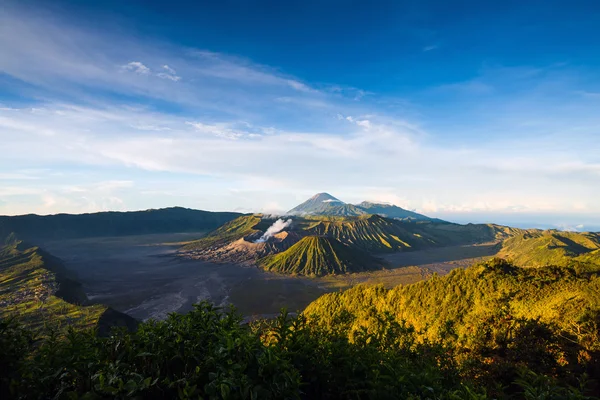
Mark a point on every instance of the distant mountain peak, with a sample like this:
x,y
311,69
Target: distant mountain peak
x,y
325,204
325,197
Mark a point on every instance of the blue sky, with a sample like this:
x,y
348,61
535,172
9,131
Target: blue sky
x,y
470,111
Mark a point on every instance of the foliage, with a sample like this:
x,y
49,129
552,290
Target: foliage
x,y
210,354
497,318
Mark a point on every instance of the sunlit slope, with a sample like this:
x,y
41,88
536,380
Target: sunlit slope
x,y
494,290
318,255
37,290
539,248
227,233
378,234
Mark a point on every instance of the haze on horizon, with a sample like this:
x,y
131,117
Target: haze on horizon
x,y
470,111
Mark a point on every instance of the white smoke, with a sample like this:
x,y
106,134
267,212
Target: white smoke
x,y
277,227
332,201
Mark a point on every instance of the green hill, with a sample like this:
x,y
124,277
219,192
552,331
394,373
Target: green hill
x,y
38,291
497,316
318,255
64,226
539,248
555,295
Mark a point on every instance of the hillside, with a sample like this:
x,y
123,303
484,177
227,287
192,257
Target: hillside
x,y
495,312
319,255
227,233
539,248
38,291
64,226
556,295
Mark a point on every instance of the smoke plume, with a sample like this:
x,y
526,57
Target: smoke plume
x,y
277,227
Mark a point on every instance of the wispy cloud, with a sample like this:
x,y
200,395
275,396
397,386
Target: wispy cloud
x,y
169,74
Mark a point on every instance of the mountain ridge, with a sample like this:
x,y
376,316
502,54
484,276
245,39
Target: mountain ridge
x,y
326,204
33,227
37,290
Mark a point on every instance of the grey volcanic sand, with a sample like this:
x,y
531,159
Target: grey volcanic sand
x,y
143,277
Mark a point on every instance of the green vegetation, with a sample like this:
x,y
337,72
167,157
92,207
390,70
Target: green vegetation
x,y
36,290
496,317
539,248
210,354
319,255
62,226
492,330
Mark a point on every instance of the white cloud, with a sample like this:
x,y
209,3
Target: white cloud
x,y
169,74
169,70
222,130
173,78
137,67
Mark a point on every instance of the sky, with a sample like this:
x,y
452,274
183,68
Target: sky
x,y
469,111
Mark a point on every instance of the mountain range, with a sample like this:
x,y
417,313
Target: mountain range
x,y
324,236
326,204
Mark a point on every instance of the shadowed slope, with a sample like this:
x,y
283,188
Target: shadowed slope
x,y
37,290
62,226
